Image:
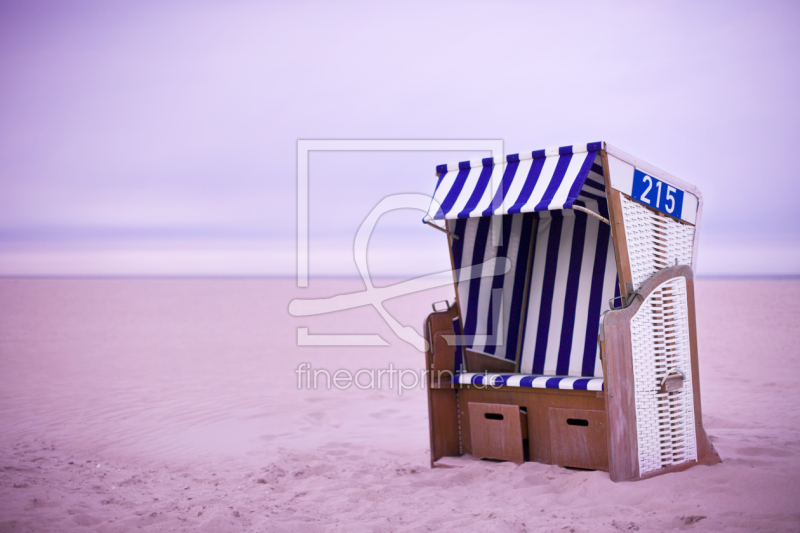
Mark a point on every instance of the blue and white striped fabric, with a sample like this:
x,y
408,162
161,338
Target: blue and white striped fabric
x,y
527,380
566,256
573,275
522,183
492,302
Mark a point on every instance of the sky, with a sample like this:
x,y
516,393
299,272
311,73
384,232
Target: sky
x,y
160,138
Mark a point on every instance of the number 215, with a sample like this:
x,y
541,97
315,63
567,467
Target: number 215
x,y
670,199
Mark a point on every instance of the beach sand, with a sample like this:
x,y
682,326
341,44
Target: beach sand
x,y
173,405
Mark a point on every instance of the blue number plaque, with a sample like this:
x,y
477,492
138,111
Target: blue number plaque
x,y
657,194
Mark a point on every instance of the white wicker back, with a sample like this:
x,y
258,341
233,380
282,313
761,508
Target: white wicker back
x,y
660,337
654,241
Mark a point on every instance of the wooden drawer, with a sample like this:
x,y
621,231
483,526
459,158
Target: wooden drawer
x,y
579,438
497,431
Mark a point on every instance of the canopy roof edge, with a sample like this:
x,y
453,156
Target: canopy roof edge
x,y
522,156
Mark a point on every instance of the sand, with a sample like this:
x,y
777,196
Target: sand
x,y
172,405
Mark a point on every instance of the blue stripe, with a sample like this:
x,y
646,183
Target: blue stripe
x,y
459,228
580,384
545,308
535,230
595,297
517,296
460,231
555,182
577,185
453,193
495,308
571,297
471,320
505,184
585,194
594,185
552,383
477,193
531,179
441,176
603,207
593,147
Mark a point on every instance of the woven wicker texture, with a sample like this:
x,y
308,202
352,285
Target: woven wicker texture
x,y
660,337
655,241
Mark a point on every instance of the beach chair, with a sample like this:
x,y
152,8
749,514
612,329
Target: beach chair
x,y
572,339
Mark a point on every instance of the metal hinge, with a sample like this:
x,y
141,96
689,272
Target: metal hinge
x,y
632,294
446,303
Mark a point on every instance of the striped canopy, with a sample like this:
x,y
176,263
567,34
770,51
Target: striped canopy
x,y
543,180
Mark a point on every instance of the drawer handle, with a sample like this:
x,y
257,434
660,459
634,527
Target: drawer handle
x,y
577,422
493,416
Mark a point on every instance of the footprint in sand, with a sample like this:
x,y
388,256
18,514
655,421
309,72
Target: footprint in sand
x,y
380,415
86,520
762,452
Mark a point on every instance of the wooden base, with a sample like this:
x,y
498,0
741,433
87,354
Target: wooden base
x,y
537,403
551,440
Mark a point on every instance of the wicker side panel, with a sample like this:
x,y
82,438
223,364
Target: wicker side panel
x,y
654,241
660,340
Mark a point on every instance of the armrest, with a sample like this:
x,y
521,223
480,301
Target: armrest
x,y
440,355
624,315
670,351
444,354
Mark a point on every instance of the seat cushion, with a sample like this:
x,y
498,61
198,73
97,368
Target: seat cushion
x,y
529,380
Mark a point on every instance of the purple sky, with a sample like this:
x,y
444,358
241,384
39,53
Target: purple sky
x,y
160,137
